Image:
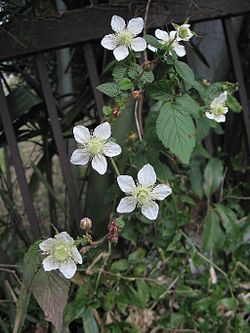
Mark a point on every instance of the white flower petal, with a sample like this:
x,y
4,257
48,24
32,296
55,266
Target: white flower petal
x,y
80,157
209,115
138,44
81,134
65,237
180,50
225,110
49,264
47,245
117,23
68,269
222,98
161,34
126,205
109,42
99,164
146,176
120,52
160,192
150,210
76,256
172,34
126,183
151,48
103,131
136,25
111,149
220,118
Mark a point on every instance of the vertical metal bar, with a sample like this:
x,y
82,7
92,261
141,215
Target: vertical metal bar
x,y
17,162
238,72
93,76
64,160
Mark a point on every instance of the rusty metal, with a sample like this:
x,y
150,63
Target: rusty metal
x,y
60,144
238,72
17,162
93,76
24,37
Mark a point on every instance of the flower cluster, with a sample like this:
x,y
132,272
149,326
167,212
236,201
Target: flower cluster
x,y
125,38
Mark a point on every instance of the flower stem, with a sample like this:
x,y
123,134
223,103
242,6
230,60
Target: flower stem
x,y
115,167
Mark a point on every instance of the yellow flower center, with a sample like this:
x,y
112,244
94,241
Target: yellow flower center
x,y
219,110
62,252
183,32
124,38
142,195
95,146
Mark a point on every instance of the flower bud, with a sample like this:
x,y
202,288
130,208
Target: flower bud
x,y
86,224
116,112
113,234
136,94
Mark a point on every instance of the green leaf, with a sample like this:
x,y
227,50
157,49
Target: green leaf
x,y
31,264
160,90
228,219
231,303
186,291
175,129
213,236
125,84
151,40
21,309
147,77
136,256
233,104
107,110
89,322
213,176
134,71
110,89
120,223
51,292
119,71
187,103
120,265
20,101
185,72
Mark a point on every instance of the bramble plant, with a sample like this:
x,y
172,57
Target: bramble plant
x,y
160,261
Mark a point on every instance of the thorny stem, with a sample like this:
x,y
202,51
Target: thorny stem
x,y
115,167
208,261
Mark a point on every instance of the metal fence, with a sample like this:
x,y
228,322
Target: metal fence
x,y
80,27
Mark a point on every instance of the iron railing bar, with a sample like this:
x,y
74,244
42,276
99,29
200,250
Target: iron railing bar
x,y
238,72
60,144
93,76
17,162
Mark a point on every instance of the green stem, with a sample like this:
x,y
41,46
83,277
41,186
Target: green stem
x,y
115,167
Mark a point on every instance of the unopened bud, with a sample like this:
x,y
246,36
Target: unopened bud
x,y
113,234
86,224
213,275
116,112
136,94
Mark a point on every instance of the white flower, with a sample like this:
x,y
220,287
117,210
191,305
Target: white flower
x,y
183,32
124,37
143,194
61,254
218,108
169,42
94,147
